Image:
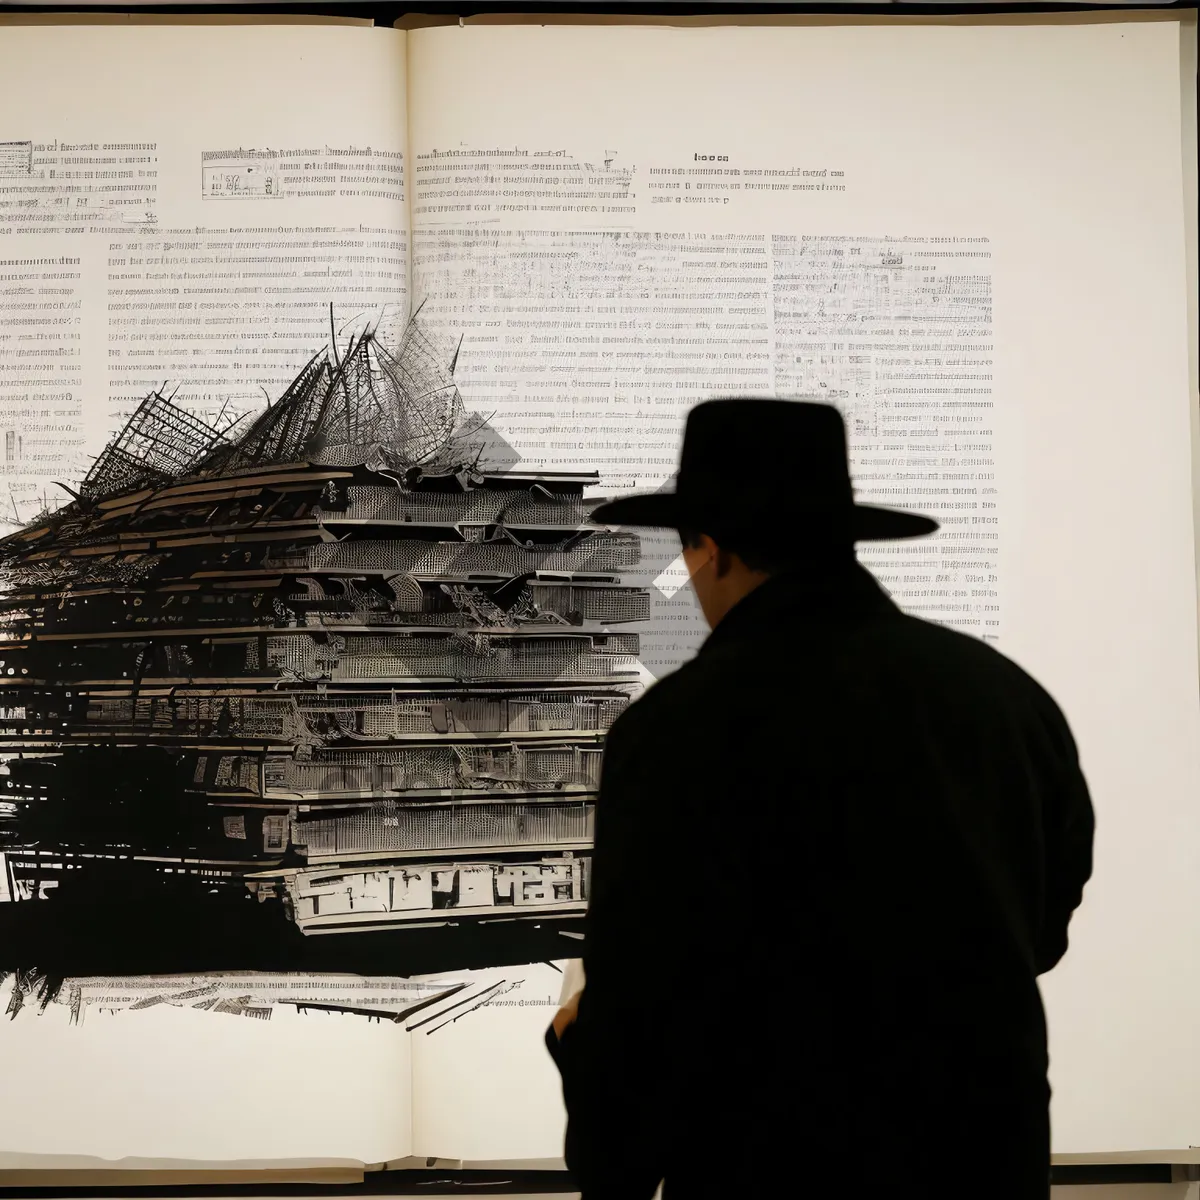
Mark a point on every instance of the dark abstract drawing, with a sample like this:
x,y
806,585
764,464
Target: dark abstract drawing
x,y
324,691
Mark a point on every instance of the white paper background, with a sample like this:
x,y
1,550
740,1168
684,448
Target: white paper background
x,y
180,1084
1062,145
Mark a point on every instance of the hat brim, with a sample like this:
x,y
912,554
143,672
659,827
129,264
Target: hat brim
x,y
661,510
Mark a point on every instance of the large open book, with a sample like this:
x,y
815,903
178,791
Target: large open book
x,y
317,344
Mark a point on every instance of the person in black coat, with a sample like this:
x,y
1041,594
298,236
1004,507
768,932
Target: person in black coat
x,y
833,854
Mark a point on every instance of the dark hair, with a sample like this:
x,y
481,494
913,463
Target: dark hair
x,y
777,555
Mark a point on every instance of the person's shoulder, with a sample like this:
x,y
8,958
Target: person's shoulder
x,y
973,655
667,691
674,696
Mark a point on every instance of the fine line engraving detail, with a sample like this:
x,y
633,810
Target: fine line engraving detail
x,y
342,669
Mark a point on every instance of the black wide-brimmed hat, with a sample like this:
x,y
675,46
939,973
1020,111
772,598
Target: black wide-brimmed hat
x,y
773,468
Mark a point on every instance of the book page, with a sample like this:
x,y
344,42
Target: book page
x,y
180,210
972,241
484,1086
176,1083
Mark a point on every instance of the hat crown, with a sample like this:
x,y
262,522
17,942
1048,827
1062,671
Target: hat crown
x,y
785,450
765,469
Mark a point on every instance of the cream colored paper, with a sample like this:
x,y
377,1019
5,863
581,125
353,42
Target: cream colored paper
x,y
573,979
180,1084
168,1083
1061,145
227,293
484,1085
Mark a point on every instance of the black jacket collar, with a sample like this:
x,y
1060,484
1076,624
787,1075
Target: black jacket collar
x,y
846,591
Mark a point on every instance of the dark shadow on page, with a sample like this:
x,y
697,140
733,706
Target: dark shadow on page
x,y
492,450
676,628
143,927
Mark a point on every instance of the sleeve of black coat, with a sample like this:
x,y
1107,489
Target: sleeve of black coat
x,y
1068,829
611,1059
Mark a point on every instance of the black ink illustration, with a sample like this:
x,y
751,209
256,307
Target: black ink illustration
x,y
326,690
16,159
233,993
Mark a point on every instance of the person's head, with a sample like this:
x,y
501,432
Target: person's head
x,y
727,568
763,486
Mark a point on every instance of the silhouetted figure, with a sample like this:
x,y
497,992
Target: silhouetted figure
x,y
833,854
